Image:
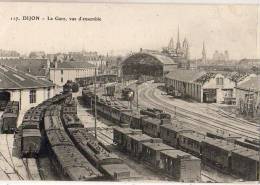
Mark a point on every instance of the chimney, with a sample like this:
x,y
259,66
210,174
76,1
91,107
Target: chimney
x,y
141,49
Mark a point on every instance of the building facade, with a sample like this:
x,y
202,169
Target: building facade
x,y
209,87
61,72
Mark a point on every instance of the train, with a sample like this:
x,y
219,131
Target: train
x,y
63,153
103,78
221,151
28,137
97,153
70,86
127,94
9,117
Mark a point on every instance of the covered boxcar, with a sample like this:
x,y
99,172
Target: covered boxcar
x,y
31,142
245,163
169,133
182,166
152,151
191,143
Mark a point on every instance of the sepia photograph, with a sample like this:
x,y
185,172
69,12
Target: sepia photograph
x,y
129,92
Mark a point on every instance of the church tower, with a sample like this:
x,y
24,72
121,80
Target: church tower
x,y
204,54
178,45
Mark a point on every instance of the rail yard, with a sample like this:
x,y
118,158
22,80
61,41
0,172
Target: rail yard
x,y
153,138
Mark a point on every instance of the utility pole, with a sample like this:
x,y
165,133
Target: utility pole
x,y
95,103
137,105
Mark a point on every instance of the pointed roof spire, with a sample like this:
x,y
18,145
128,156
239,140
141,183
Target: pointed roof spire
x,y
178,36
178,45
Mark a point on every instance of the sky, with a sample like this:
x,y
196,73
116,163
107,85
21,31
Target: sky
x,y
129,27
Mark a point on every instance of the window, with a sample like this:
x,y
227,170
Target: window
x,y
61,79
49,91
61,71
32,96
220,81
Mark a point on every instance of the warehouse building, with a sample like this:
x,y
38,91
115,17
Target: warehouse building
x,y
208,87
148,63
18,86
61,72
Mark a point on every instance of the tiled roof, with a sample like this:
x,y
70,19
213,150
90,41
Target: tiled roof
x,y
11,78
35,67
252,84
74,65
185,75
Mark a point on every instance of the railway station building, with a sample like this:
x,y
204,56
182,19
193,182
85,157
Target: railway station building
x,y
147,63
208,87
19,86
61,72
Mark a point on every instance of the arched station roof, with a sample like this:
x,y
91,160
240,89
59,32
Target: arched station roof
x,y
143,63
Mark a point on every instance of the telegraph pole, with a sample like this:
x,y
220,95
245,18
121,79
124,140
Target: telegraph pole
x,y
137,105
95,102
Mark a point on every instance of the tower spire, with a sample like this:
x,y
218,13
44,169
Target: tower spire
x,y
178,45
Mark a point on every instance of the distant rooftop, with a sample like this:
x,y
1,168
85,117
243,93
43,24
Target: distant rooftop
x,y
74,65
35,67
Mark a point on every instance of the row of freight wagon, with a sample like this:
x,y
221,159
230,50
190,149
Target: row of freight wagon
x,y
233,155
178,165
54,126
9,117
110,165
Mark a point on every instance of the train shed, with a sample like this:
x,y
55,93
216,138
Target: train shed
x,y
148,64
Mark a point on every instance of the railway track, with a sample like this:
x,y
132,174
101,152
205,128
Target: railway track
x,y
106,139
189,116
214,111
11,165
210,179
29,174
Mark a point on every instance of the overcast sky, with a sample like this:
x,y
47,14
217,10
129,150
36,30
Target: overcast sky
x,y
128,27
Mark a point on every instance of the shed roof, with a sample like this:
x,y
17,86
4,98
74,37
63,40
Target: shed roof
x,y
11,78
185,75
252,84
